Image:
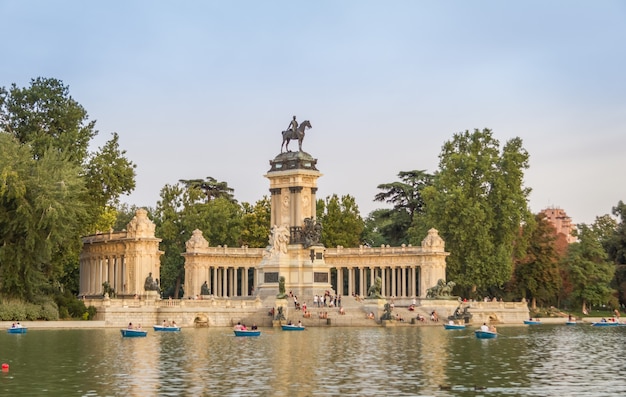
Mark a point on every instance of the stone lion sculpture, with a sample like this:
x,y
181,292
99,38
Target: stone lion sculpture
x,y
442,290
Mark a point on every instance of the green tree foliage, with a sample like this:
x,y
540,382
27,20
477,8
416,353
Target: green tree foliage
x,y
614,243
589,269
406,197
46,117
41,208
47,122
211,188
376,227
182,209
537,273
478,203
256,223
341,222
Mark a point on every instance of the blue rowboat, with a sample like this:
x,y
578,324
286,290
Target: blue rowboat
x,y
17,330
165,328
532,322
247,332
485,334
133,333
292,327
454,326
605,324
570,322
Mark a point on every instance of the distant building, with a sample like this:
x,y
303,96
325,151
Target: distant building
x,y
561,222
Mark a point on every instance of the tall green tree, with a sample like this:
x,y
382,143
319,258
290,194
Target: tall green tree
x,y
41,207
537,273
406,197
55,129
478,203
615,246
589,270
182,209
341,222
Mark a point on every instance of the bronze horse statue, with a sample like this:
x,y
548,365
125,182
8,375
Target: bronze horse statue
x,y
298,134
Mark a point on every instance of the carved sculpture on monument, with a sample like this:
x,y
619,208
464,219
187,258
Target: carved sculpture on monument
x,y
281,288
150,284
311,232
442,290
374,290
278,240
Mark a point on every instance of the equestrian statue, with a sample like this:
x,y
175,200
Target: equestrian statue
x,y
294,131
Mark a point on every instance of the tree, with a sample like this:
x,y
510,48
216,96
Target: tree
x,y
211,188
589,269
615,246
406,198
256,223
41,209
478,203
537,273
181,210
341,223
56,131
46,117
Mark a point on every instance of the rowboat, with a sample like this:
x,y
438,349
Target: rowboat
x,y
247,332
485,334
166,328
133,333
605,324
532,322
454,326
570,322
17,330
292,327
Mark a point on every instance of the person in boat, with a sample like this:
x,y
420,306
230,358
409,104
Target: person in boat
x,y
289,322
484,327
243,327
13,326
254,327
569,318
130,325
238,326
299,323
492,328
451,322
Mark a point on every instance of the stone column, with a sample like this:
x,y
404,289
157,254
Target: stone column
x,y
339,289
225,282
313,213
350,280
383,276
213,280
393,281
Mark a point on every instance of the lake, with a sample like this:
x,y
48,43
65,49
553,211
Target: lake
x,y
544,360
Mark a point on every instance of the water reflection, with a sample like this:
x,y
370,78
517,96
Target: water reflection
x,y
404,361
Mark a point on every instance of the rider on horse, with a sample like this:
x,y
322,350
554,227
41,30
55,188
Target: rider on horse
x,y
293,125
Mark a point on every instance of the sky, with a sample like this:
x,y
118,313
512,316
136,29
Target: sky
x,y
204,88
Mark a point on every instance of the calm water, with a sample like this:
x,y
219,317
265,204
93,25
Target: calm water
x,y
407,361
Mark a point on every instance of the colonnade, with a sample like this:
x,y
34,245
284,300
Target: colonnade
x,y
222,281
397,281
96,270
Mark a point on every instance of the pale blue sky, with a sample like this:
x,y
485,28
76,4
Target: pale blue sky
x,y
203,88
